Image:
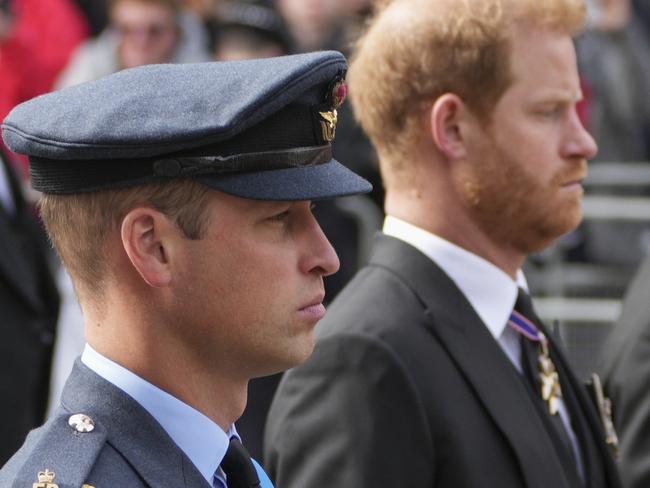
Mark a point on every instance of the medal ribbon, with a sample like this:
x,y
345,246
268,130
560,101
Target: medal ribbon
x,y
525,327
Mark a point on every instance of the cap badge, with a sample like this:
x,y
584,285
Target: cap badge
x,y
335,98
328,124
45,480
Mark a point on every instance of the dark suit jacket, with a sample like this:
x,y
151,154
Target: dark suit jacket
x,y
407,388
28,312
626,376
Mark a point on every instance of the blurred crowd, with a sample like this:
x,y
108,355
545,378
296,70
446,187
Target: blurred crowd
x,y
51,44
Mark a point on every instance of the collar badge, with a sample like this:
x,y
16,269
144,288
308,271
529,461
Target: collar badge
x,y
45,480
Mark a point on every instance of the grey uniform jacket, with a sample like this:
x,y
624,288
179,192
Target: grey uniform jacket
x,y
407,388
127,447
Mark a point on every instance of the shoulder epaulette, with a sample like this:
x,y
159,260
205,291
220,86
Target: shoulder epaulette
x,y
60,454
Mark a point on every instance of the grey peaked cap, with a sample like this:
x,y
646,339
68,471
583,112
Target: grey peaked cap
x,y
251,128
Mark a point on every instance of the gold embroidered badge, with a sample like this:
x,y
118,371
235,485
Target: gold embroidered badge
x,y
45,480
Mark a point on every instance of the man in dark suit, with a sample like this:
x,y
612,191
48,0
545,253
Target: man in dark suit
x,y
626,375
29,305
431,367
181,207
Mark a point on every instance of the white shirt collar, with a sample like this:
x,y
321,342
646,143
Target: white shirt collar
x,y
202,440
490,291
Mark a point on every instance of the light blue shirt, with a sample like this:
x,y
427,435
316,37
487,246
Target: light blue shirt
x,y
202,440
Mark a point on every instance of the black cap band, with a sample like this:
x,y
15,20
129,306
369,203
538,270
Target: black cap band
x,y
64,176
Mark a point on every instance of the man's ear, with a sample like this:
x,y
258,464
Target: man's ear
x,y
446,125
144,234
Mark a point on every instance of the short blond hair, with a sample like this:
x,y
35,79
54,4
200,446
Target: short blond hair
x,y
78,224
417,50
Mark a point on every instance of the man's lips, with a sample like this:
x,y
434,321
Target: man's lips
x,y
315,308
316,301
571,183
574,181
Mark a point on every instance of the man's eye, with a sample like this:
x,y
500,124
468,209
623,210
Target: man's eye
x,y
550,112
281,217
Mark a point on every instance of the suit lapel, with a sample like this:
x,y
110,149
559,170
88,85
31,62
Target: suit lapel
x,y
488,371
132,431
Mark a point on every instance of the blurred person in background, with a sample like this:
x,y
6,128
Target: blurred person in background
x,y
314,24
249,29
37,38
204,9
29,305
140,32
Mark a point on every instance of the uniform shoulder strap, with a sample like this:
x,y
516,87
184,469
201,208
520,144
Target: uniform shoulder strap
x,y
60,454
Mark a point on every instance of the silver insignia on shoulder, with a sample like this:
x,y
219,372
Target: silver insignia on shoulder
x,y
81,423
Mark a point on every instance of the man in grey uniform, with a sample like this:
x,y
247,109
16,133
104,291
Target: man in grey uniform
x,y
179,199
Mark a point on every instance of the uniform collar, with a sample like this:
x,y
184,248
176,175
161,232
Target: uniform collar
x,y
489,290
202,440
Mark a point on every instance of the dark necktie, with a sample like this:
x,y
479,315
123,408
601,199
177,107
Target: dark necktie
x,y
538,368
238,467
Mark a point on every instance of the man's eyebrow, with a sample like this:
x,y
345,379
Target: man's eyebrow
x,y
556,95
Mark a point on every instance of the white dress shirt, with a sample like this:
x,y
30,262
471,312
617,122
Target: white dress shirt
x,y
490,291
202,440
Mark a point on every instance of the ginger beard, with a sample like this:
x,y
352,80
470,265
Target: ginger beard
x,y
517,208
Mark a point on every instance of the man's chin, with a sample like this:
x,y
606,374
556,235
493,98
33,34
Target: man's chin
x,y
289,359
549,234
